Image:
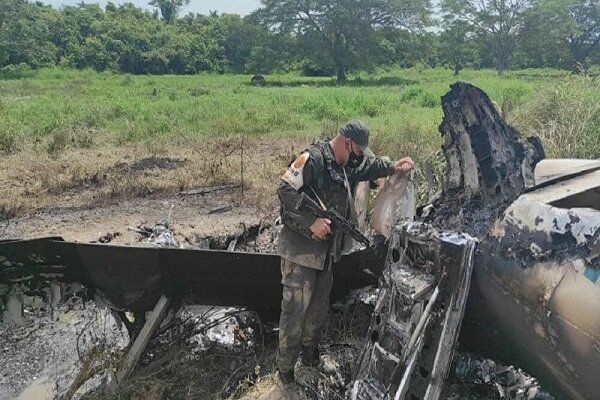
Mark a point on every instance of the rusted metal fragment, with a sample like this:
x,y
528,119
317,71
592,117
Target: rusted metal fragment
x,y
418,315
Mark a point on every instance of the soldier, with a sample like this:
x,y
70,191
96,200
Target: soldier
x,y
327,171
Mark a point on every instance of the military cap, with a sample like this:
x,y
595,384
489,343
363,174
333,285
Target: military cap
x,y
358,132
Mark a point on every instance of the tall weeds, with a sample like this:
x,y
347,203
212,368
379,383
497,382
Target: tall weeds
x,y
566,116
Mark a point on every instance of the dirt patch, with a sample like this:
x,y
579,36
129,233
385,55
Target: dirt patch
x,y
190,219
149,163
73,196
31,180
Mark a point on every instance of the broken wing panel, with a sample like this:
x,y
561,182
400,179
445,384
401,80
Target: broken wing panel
x,y
550,317
550,169
539,283
133,278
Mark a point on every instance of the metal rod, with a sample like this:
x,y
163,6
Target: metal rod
x,y
401,392
415,336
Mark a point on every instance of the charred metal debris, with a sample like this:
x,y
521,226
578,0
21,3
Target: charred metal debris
x,y
525,231
487,165
417,316
536,268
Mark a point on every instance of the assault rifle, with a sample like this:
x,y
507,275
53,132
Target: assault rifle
x,y
339,222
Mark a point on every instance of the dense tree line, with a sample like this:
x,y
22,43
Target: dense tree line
x,y
318,37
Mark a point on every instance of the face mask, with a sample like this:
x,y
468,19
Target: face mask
x,y
354,160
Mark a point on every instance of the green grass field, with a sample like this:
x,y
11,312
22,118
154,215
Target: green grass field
x,y
58,115
92,108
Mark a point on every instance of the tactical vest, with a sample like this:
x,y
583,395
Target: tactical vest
x,y
329,186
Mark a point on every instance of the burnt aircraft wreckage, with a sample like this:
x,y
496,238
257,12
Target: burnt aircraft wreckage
x,y
525,231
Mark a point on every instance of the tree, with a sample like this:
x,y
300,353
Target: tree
x,y
343,29
456,48
586,39
543,38
74,25
403,48
497,22
169,9
561,33
25,33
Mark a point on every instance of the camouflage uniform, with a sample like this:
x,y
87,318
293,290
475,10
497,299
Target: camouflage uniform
x,y
306,270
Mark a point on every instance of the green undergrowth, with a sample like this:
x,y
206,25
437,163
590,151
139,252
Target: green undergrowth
x,y
58,109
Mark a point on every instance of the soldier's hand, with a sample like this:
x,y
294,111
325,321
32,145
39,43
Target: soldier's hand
x,y
404,165
321,228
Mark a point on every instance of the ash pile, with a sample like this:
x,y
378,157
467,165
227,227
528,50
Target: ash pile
x,y
256,237
58,345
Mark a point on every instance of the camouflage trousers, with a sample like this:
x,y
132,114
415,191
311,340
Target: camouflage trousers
x,y
304,310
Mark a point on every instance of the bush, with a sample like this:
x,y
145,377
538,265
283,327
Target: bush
x,y
9,143
410,93
127,81
17,71
515,93
313,70
429,100
199,91
71,136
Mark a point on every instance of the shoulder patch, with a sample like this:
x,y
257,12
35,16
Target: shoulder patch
x,y
293,175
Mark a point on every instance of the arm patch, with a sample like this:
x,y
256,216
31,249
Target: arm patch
x,y
293,175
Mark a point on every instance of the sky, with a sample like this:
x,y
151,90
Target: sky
x,y
242,7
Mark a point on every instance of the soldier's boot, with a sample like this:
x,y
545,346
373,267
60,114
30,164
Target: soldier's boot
x,y
310,356
288,388
286,378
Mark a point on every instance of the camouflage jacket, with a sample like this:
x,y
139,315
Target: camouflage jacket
x,y
316,173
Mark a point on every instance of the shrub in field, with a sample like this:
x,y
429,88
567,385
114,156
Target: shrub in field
x,y
11,136
515,93
199,91
9,208
410,93
324,108
566,117
79,137
16,71
9,142
309,68
59,140
127,81
429,100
